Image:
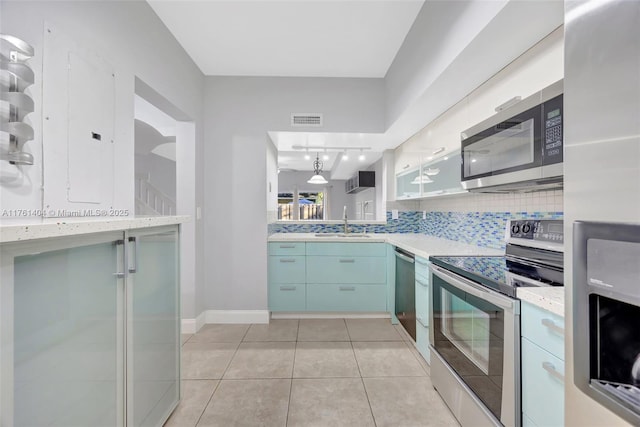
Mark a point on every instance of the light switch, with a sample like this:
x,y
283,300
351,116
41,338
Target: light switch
x,y
394,213
424,214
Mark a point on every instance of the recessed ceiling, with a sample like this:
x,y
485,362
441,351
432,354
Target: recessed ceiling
x,y
356,38
290,157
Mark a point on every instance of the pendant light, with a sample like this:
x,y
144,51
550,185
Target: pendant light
x,y
317,178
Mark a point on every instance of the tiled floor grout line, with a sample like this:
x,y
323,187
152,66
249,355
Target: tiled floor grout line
x,y
293,366
208,403
373,417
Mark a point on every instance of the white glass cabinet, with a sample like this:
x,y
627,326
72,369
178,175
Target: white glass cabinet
x,y
89,329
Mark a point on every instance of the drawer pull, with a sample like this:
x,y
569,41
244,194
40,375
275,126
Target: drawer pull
x,y
347,261
288,288
422,322
552,325
347,288
548,366
287,246
421,283
287,260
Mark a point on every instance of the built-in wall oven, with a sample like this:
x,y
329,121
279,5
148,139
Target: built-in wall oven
x,y
519,148
475,318
606,307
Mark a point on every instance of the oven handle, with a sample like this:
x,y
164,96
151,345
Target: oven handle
x,y
472,288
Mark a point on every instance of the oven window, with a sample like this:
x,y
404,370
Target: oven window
x,y
505,149
467,328
469,336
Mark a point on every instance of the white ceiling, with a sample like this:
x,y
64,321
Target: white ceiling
x,y
304,38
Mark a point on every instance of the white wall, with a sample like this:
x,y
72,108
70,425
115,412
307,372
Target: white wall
x,y
453,47
134,41
272,182
240,111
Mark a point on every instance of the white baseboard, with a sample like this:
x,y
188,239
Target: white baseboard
x,y
188,326
191,326
237,316
329,315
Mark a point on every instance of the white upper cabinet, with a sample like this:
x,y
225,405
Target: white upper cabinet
x,y
537,68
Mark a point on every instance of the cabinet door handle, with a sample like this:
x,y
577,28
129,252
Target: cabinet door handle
x,y
119,274
550,368
552,325
406,166
347,261
347,288
287,246
287,260
134,240
421,283
288,288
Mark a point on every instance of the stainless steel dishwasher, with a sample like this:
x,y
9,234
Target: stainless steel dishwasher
x,y
406,291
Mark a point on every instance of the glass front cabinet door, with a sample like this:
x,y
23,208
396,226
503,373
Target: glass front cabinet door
x,y
80,344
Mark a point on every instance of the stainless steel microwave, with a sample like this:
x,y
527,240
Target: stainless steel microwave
x,y
518,149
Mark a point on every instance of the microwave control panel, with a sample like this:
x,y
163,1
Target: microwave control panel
x,y
540,230
552,122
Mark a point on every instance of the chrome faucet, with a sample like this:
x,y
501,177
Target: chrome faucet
x,y
346,224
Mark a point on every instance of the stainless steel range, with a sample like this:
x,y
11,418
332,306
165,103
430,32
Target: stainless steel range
x,y
475,338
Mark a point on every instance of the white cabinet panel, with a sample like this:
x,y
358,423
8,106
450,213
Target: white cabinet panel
x,y
91,126
78,127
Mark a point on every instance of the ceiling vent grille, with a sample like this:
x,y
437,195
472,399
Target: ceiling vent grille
x,y
306,120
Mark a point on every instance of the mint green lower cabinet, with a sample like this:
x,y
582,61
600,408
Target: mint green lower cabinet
x,y
346,297
287,296
422,339
329,276
542,386
422,308
346,269
542,366
374,249
287,269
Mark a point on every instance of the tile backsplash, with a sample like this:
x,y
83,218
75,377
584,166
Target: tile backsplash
x,y
474,218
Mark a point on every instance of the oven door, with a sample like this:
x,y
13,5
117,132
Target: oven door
x,y
476,332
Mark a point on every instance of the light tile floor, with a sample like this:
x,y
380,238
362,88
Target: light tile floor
x,y
308,372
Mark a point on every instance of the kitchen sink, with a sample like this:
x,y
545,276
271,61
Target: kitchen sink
x,y
342,235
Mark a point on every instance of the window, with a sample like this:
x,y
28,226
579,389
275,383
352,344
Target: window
x,y
310,206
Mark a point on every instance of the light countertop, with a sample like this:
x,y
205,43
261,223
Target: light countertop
x,y
20,229
550,298
419,244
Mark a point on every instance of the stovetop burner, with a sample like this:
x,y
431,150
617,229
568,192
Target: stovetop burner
x,y
534,259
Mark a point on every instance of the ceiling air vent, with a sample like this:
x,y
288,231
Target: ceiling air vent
x,y
306,120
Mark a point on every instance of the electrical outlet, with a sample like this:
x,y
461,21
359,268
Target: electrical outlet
x,y
394,213
198,212
424,214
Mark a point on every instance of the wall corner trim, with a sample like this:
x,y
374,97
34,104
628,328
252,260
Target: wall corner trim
x,y
191,326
